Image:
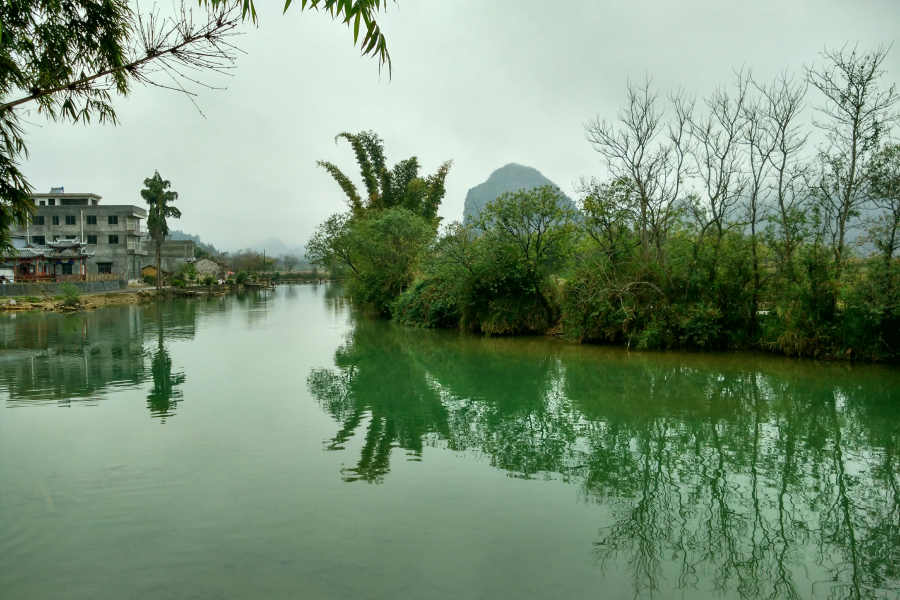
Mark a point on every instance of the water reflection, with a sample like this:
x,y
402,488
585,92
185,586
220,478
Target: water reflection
x,y
736,474
65,359
164,395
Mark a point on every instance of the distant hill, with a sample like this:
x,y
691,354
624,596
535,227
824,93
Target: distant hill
x,y
510,178
276,247
179,235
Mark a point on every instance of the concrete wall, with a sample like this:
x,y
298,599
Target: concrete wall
x,y
52,289
128,256
174,254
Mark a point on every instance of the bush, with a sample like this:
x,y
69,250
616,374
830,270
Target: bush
x,y
70,295
241,278
179,283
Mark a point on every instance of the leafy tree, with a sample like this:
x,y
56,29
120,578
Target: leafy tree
x,y
160,198
388,188
496,276
187,271
884,184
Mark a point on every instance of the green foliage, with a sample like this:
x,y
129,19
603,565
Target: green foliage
x,y
496,276
70,295
159,197
388,188
46,45
150,279
187,271
378,245
241,277
210,280
179,283
385,249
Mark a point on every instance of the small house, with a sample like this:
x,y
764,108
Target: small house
x,y
207,267
150,271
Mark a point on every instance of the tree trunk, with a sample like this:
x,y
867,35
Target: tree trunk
x,y
158,270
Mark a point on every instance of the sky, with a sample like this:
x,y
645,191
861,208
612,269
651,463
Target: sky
x,y
481,82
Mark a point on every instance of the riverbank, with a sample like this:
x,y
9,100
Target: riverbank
x,y
87,302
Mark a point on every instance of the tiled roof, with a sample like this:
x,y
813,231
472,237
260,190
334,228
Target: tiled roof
x,y
65,244
58,250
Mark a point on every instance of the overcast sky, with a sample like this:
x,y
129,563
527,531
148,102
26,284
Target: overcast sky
x,y
481,82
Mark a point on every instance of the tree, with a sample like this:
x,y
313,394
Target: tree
x,y
651,153
289,261
857,115
69,58
388,188
884,185
158,195
187,271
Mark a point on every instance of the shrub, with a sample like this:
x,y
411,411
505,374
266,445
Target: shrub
x,y
70,295
179,283
241,278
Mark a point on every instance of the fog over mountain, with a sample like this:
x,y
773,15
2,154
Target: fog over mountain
x,y
510,178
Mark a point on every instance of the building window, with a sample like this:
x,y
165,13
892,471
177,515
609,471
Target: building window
x,y
92,239
113,239
42,202
92,219
39,240
70,237
104,267
52,201
113,219
70,219
67,268
55,238
55,220
39,220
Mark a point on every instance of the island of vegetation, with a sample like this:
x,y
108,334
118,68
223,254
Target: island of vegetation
x,y
729,221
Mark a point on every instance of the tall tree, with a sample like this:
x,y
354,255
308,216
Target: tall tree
x,y
158,195
857,116
386,188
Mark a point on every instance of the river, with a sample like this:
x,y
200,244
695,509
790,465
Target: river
x,y
277,445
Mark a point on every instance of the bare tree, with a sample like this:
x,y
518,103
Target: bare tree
x,y
289,261
717,158
857,116
758,144
787,188
649,152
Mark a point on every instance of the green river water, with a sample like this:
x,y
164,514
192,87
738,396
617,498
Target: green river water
x,y
277,445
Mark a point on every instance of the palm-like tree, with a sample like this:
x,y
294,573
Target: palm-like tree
x,y
158,195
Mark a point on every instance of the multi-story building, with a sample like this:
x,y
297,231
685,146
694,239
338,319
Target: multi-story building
x,y
112,232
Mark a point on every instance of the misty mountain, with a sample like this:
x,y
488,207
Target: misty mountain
x,y
276,247
510,178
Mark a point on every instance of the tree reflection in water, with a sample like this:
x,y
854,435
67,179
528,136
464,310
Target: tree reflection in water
x,y
164,395
69,359
750,475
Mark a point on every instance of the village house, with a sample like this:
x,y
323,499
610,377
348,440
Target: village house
x,y
112,235
207,267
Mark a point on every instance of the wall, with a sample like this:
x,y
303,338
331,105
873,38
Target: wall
x,y
123,260
52,289
174,254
